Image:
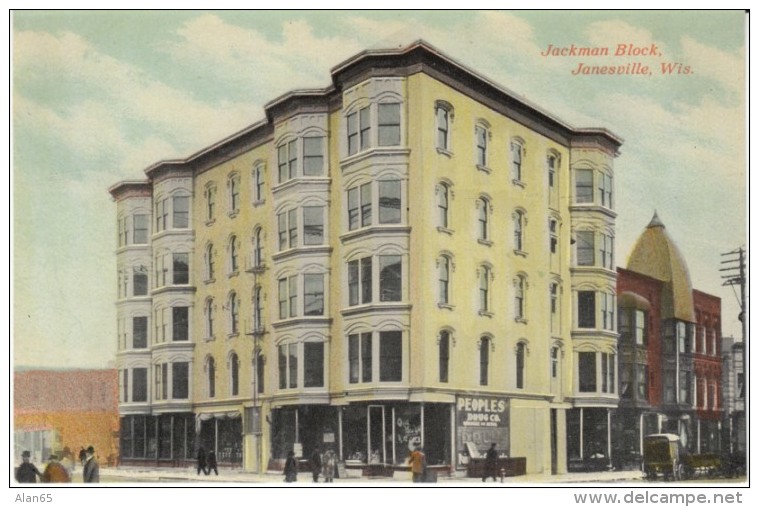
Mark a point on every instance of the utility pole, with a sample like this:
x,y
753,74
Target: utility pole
x,y
734,269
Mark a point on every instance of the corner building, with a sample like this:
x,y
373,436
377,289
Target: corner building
x,y
383,262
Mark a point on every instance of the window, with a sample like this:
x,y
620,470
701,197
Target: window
x,y
313,294
606,251
520,286
161,215
389,124
234,374
605,190
518,230
258,311
442,120
288,297
180,323
123,232
359,130
181,268
520,365
640,327
390,267
234,255
444,354
141,228
586,309
481,145
391,356
360,281
360,358
442,205
234,193
607,373
390,202
124,382
180,381
313,364
682,337
360,206
234,313
553,235
685,387
484,289
210,264
516,161
139,384
181,218
587,371
313,156
669,386
483,210
258,184
260,373
209,319
313,225
211,372
161,378
484,360
607,311
554,307
585,248
288,366
140,281
287,160
210,203
139,332
288,229
554,362
583,186
444,273
552,164
258,248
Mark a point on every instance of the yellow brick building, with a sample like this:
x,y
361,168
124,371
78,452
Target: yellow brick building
x,y
387,261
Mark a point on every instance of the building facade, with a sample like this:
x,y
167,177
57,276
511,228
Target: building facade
x,y
387,261
670,352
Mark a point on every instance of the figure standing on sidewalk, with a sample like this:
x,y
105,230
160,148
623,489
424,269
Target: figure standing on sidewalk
x,y
316,463
202,461
212,463
91,472
26,471
54,471
491,464
291,468
329,463
417,461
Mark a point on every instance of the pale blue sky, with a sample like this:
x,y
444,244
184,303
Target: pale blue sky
x,y
99,96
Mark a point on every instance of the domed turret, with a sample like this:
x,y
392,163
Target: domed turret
x,y
655,254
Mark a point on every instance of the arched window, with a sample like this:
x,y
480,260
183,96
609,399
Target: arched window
x,y
520,365
234,313
485,344
210,265
210,202
209,318
442,191
258,183
233,184
484,289
483,210
443,119
234,251
444,274
520,287
444,349
517,150
481,145
519,222
258,248
258,311
211,378
234,374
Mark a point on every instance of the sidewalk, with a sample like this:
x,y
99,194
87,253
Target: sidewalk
x,y
189,475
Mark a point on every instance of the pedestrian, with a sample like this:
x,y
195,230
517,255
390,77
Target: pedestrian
x,y
491,464
55,471
82,456
418,464
202,461
91,471
212,463
316,463
68,461
291,468
26,471
328,465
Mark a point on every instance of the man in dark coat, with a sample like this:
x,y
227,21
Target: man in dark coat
x,y
212,462
27,472
202,461
316,464
91,472
491,464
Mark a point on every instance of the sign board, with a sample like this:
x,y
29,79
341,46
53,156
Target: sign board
x,y
480,421
298,449
341,473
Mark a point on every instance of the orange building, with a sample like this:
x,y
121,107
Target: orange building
x,y
55,409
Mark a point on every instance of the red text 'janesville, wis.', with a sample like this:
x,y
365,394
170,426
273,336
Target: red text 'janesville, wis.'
x,y
627,50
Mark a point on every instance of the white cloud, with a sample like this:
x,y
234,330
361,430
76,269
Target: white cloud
x,y
614,32
728,69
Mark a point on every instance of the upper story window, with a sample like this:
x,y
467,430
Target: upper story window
x,y
554,362
442,191
519,223
361,201
483,217
583,186
140,281
234,374
233,305
210,318
180,213
287,160
444,279
258,309
258,248
552,165
180,323
443,117
444,354
359,358
586,248
586,309
605,190
234,255
388,351
553,291
485,345
211,377
520,289
484,276
517,151
608,305
313,225
258,183
586,366
521,352
181,268
360,281
606,251
553,234
210,263
389,279
481,145
288,229
139,332
311,364
389,124
288,297
313,156
233,184
141,229
359,131
210,194
313,294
